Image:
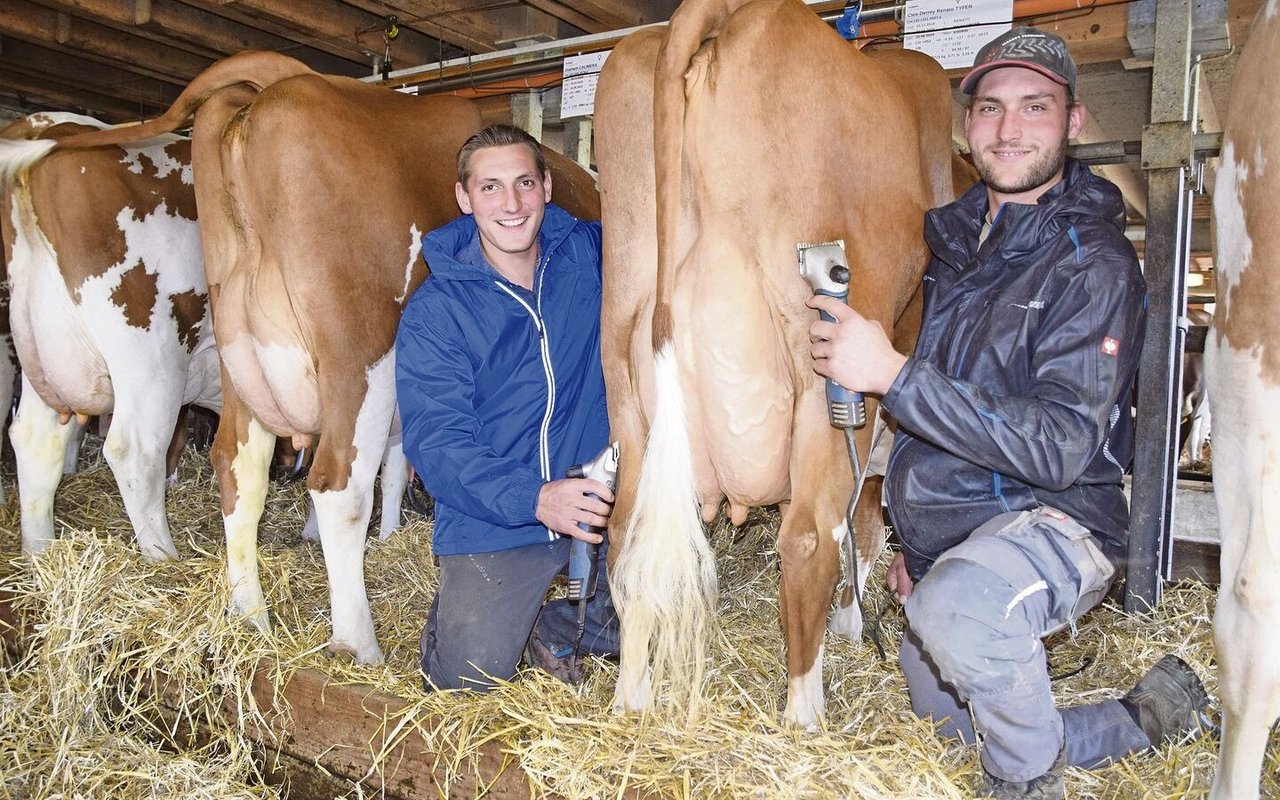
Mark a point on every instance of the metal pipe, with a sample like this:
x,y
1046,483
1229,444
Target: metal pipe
x,y
880,19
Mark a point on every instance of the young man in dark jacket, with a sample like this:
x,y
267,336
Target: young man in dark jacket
x,y
1014,430
500,390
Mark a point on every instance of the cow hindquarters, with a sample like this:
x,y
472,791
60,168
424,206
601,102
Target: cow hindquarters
x,y
1247,460
39,444
663,580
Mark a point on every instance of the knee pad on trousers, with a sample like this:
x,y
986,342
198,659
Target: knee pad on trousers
x,y
960,612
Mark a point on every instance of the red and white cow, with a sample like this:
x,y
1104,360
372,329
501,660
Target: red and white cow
x,y
108,310
1242,355
316,191
762,129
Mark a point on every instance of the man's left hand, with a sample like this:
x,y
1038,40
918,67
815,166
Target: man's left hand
x,y
853,350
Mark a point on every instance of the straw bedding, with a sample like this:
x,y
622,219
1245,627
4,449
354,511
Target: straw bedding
x,y
75,721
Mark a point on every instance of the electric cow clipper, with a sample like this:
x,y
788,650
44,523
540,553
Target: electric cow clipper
x,y
582,555
826,269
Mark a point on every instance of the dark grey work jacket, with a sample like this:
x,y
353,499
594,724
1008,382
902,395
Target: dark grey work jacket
x,y
1019,392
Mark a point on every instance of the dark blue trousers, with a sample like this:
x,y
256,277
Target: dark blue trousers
x,y
489,603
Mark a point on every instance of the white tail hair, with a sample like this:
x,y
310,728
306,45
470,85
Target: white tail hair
x,y
664,581
18,154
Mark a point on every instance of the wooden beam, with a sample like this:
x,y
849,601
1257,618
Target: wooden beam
x,y
200,32
41,63
42,26
454,21
52,94
572,16
337,25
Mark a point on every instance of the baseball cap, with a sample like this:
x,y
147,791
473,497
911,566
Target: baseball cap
x,y
1032,48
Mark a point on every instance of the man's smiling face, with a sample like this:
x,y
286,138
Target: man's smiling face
x,y
1018,127
508,198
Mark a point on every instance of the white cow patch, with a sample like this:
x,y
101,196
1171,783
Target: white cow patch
x,y
806,703
1235,248
415,250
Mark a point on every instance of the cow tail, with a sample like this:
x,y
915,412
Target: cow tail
x,y
664,581
256,69
16,156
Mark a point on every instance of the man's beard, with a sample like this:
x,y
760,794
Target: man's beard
x,y
1041,171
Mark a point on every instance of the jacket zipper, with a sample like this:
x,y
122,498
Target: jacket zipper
x,y
544,348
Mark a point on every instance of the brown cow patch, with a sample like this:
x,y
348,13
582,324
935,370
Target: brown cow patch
x,y
188,311
136,296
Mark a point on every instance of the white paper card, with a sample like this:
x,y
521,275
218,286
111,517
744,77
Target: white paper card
x,y
578,94
953,31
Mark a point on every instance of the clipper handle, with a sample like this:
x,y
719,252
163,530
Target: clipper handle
x,y
845,408
582,555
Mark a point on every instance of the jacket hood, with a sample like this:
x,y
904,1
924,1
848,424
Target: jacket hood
x,y
1020,228
452,252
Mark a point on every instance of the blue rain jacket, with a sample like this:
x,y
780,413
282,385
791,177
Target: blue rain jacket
x,y
500,388
1019,391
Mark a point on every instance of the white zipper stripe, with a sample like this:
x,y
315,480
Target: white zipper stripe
x,y
544,455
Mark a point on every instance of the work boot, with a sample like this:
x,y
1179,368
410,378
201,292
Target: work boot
x,y
1169,703
1050,786
562,663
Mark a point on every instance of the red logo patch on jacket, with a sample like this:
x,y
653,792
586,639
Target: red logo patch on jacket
x,y
1110,347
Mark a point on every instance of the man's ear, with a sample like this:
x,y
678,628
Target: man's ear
x,y
1075,120
546,186
464,202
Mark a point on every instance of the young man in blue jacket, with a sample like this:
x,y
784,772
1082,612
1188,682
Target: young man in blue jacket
x,y
1014,431
500,389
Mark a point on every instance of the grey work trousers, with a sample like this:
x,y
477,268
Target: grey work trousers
x,y
488,604
976,621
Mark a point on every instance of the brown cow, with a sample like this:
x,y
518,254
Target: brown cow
x,y
315,191
770,131
1242,356
108,310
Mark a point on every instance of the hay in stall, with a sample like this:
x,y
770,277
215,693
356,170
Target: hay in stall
x,y
73,721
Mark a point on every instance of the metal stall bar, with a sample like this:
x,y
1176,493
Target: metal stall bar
x,y
1167,154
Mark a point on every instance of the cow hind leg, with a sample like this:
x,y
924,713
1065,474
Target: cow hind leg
x,y
135,448
341,481
807,543
809,570
241,456
395,481
1248,669
39,445
846,620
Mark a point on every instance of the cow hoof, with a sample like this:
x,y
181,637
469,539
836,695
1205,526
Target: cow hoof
x,y
159,552
258,620
638,697
346,654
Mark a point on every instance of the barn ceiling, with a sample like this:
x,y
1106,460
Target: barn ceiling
x,y
128,59
124,60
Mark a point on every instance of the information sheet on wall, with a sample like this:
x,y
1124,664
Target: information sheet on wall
x,y
953,32
578,94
